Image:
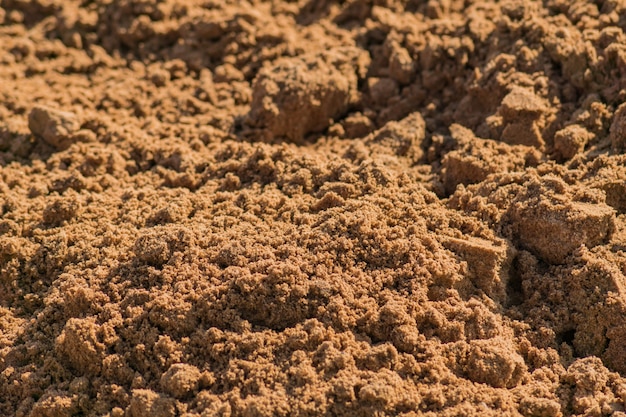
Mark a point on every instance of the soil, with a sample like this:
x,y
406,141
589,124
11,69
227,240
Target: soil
x,y
305,208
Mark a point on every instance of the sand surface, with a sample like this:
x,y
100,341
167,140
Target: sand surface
x,y
312,208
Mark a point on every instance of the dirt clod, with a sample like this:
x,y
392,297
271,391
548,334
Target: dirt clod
x,y
297,96
54,126
552,226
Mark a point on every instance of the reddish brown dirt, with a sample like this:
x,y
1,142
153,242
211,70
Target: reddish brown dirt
x,y
305,208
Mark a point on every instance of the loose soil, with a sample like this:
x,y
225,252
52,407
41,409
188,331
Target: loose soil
x,y
305,208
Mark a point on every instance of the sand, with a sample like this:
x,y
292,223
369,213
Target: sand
x,y
307,208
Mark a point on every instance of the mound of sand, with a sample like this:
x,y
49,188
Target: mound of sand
x,y
304,208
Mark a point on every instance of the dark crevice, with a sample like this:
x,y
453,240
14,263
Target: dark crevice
x,y
514,289
566,336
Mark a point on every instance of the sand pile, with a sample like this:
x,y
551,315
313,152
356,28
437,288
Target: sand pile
x,y
304,208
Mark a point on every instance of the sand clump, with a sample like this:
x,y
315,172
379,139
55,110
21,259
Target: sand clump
x,y
552,224
277,208
297,96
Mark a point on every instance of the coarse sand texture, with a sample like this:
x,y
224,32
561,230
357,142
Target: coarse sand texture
x,y
312,208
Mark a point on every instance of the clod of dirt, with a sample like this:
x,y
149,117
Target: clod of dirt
x,y
615,191
401,66
80,344
57,404
552,226
180,380
571,140
492,362
56,127
587,376
618,129
381,90
156,246
61,210
489,263
521,112
400,138
357,125
300,95
147,403
477,158
610,177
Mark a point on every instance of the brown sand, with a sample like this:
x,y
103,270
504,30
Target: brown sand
x,y
304,208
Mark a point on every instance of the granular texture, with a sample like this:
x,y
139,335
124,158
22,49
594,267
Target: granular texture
x,y
305,208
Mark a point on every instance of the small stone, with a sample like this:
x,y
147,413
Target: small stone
x,y
209,30
540,407
14,16
54,126
117,412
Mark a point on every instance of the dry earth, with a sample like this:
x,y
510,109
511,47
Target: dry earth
x,y
305,208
